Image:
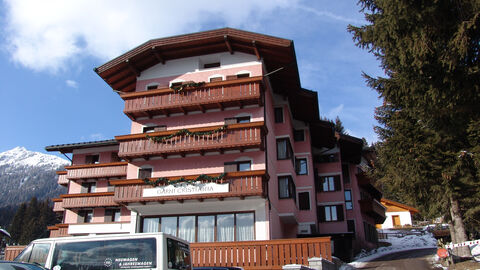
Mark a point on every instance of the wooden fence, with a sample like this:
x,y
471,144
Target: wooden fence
x,y
269,254
12,251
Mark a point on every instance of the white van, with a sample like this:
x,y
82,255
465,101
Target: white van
x,y
122,251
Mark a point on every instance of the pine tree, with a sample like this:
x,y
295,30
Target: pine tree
x,y
339,126
430,52
16,227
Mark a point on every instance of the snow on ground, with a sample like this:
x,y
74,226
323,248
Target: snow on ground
x,y
398,243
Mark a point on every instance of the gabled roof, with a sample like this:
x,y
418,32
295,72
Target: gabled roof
x,y
278,55
388,202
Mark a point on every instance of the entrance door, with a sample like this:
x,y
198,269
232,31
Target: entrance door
x,y
396,221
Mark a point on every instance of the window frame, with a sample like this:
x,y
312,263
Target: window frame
x,y
228,166
297,170
140,170
296,133
291,189
92,159
303,205
337,186
347,202
322,210
288,150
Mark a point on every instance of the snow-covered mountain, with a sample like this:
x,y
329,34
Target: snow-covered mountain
x,y
25,174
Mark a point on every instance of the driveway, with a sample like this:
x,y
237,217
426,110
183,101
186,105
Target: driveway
x,y
403,260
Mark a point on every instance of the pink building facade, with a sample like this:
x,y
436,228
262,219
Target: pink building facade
x,y
224,146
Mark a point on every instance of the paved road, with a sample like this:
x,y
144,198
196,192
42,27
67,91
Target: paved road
x,y
403,260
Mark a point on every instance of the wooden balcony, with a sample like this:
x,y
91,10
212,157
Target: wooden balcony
x,y
58,230
374,209
58,205
236,136
62,178
105,170
241,184
240,92
365,183
81,200
270,254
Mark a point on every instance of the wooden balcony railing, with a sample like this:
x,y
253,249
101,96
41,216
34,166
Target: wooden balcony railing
x,y
100,199
105,170
241,184
62,178
222,94
58,230
270,254
58,205
12,251
374,209
365,183
236,136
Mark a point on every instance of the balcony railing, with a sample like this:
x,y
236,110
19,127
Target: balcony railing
x,y
58,205
222,94
236,136
270,254
240,184
366,184
374,209
62,178
106,170
58,230
81,200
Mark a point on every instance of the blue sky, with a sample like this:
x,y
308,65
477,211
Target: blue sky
x,y
49,93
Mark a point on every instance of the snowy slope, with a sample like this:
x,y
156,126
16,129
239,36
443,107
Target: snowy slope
x,y
25,174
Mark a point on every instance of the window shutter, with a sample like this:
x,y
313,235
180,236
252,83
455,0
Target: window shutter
x,y
321,213
231,77
230,167
338,185
339,212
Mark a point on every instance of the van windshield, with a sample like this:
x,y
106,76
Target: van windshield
x,y
178,254
106,254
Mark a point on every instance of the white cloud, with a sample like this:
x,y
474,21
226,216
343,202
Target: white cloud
x,y
71,83
331,16
49,35
333,113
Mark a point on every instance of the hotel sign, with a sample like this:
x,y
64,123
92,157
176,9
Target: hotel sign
x,y
185,189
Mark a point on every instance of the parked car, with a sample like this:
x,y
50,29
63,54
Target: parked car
x,y
9,265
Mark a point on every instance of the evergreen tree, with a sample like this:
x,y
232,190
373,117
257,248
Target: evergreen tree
x,y
339,126
430,130
16,227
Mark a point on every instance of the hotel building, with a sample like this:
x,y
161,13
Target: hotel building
x,y
225,145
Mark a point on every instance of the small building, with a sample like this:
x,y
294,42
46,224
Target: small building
x,y
398,214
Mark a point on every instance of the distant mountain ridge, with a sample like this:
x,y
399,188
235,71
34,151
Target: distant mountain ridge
x,y
25,174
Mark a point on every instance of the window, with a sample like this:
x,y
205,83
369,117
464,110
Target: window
x,y
110,188
345,173
329,183
348,199
85,216
205,228
329,213
301,166
175,84
304,200
284,149
92,254
114,157
298,135
89,187
92,159
235,120
149,129
144,173
286,187
152,87
216,79
278,115
243,75
231,77
351,225
36,253
211,65
112,215
237,166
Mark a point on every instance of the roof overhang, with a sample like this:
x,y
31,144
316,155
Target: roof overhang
x,y
277,54
68,148
350,148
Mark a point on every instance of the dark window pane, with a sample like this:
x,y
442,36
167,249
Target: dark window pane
x,y
298,135
304,200
211,65
244,166
144,173
301,166
345,173
278,115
